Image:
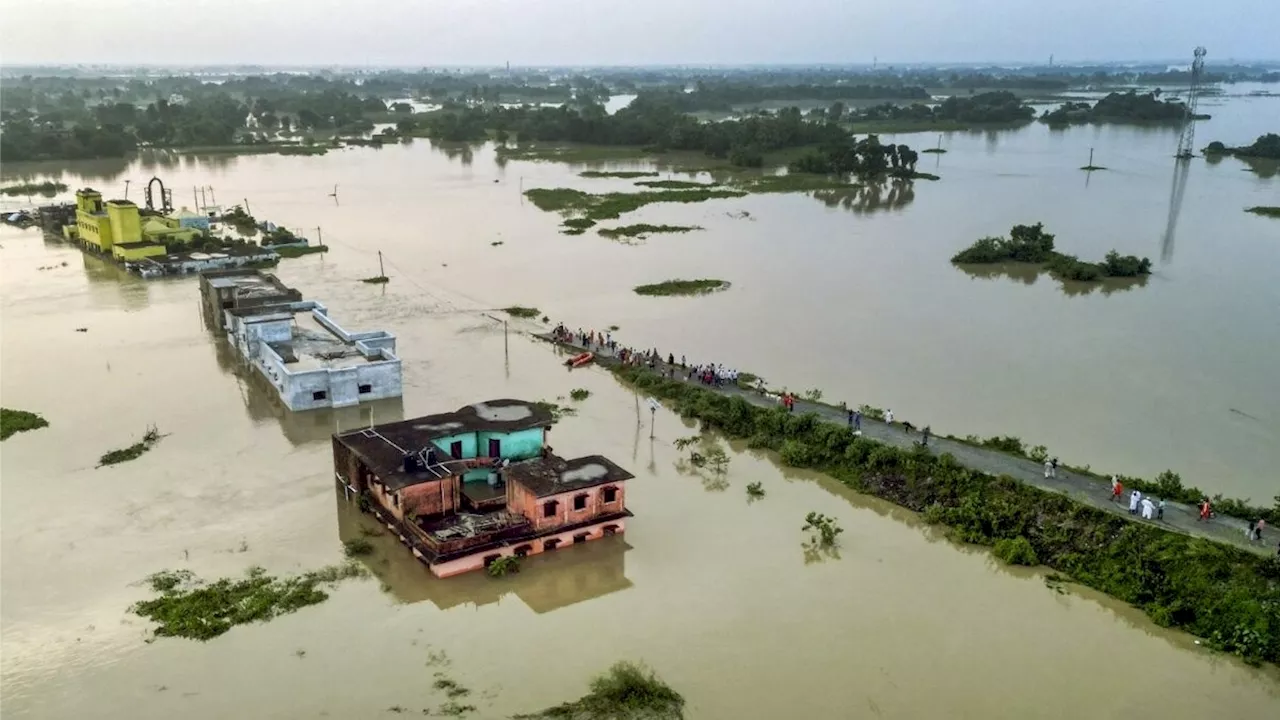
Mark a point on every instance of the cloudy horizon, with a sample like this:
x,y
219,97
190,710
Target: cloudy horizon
x,y
577,33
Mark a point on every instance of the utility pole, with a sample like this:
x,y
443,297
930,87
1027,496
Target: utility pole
x,y
246,207
195,199
203,202
212,197
381,272
1090,157
320,239
126,189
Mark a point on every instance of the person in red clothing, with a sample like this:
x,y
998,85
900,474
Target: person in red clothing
x,y
1117,488
1205,509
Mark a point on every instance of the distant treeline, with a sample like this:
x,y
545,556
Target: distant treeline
x,y
1118,107
725,95
652,121
989,107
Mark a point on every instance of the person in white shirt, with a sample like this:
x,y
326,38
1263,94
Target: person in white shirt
x,y
1134,498
888,417
1148,509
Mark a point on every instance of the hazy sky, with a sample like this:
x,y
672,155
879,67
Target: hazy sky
x,y
617,32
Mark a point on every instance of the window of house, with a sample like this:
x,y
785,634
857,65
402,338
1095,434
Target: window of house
x,y
319,395
549,510
365,389
610,494
580,502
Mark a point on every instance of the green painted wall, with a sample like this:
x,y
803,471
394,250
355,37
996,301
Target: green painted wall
x,y
468,440
480,475
519,445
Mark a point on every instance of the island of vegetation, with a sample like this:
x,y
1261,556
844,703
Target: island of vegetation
x,y
1272,211
134,451
520,311
983,110
626,692
682,287
1120,108
643,230
47,188
1224,594
624,174
1266,147
16,421
1031,244
187,607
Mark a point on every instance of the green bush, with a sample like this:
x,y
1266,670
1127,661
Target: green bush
x,y
16,421
356,547
1016,551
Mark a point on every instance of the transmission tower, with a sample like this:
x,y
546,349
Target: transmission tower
x,y
1187,140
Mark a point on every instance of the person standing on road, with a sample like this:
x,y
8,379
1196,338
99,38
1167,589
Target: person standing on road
x,y
1160,510
1048,469
888,417
1135,497
924,441
1117,488
857,421
1205,510
1054,461
1148,509
850,419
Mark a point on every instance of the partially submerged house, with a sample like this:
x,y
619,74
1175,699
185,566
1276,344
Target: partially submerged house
x,y
465,488
310,360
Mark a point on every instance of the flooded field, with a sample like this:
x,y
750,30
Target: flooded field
x,y
713,591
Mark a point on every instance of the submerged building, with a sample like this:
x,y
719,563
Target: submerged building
x,y
310,360
465,488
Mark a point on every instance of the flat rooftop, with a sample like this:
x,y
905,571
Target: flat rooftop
x,y
250,284
552,475
314,347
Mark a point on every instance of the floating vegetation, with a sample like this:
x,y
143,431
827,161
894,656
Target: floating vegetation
x,y
674,184
1091,168
520,311
579,394
755,490
134,451
507,564
609,206
47,187
357,547
612,328
376,280
625,174
495,243
936,151
628,691
452,689
643,230
296,252
1265,210
189,608
576,225
824,529
557,411
682,287
16,421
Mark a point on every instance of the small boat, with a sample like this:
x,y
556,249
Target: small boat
x,y
580,360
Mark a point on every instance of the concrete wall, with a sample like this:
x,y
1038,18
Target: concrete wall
x,y
518,445
468,440
534,508
559,541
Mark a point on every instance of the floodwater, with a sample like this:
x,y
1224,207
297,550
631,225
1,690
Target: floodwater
x,y
714,592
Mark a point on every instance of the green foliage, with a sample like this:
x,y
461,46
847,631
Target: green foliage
x,y
627,174
673,184
1031,244
609,206
824,528
644,229
356,547
376,280
755,489
16,421
1007,443
628,691
1272,211
134,451
813,395
558,412
521,311
191,609
503,566
874,413
240,220
1016,551
1039,453
1118,107
682,287
47,188
296,252
1215,591
579,394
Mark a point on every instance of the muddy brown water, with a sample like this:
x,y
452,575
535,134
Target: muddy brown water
x,y
715,592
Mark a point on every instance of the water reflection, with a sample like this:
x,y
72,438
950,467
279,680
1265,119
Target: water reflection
x,y
1181,171
1028,274
110,284
461,151
546,582
1263,167
870,197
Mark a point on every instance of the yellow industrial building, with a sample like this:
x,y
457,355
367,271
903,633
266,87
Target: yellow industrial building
x,y
116,228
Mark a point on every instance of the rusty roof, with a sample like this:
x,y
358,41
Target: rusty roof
x,y
552,475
